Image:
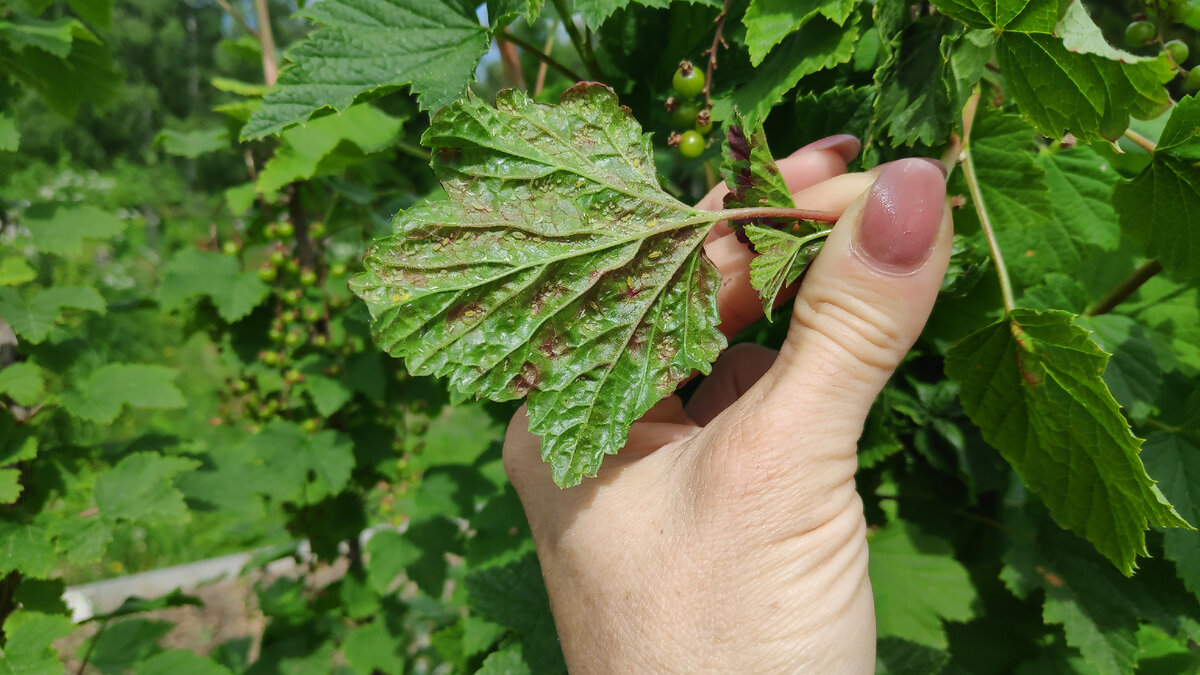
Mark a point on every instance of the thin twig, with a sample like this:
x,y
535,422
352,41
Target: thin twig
x,y
1146,143
577,39
266,42
712,55
985,223
91,646
1126,288
224,4
539,55
540,81
514,74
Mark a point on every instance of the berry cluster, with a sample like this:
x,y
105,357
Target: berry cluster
x,y
300,335
1147,30
691,119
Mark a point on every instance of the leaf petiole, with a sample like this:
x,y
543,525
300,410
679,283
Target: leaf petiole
x,y
755,212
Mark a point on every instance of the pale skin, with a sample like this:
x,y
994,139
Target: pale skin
x,y
727,535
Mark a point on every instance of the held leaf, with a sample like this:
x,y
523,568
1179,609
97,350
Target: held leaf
x,y
558,269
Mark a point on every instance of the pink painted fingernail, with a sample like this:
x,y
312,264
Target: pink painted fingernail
x,y
941,167
843,144
902,216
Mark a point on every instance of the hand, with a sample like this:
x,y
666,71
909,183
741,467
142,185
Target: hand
x,y
727,535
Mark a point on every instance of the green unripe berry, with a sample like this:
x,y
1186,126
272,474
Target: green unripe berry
x,y
293,296
275,334
308,277
267,273
285,230
292,266
311,313
1192,81
293,376
272,231
316,230
310,425
290,316
278,257
270,358
241,386
337,270
685,115
293,338
319,340
1139,33
704,124
230,247
1177,50
687,81
691,144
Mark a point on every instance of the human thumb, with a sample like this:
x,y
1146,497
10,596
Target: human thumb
x,y
864,300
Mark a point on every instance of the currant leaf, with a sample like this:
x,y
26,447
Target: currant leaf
x,y
1032,383
557,269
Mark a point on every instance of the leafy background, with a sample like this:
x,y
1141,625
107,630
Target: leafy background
x,y
184,372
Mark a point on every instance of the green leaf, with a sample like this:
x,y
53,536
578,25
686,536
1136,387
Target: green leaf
x,y
514,595
233,292
924,82
26,549
1158,209
1174,460
782,258
61,229
838,110
1141,358
291,466
52,36
98,12
10,136
179,662
80,541
193,143
86,74
28,650
1095,87
1016,15
365,46
10,485
113,386
508,660
594,12
22,382
785,248
819,45
15,271
894,656
768,22
239,87
1032,384
306,148
125,643
33,320
389,554
557,269
372,648
918,584
1098,609
140,489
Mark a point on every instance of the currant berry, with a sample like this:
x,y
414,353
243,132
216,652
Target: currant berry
x,y
267,273
704,122
311,314
1192,81
316,230
285,230
293,338
1177,50
1139,33
337,270
308,277
685,115
278,257
310,425
688,82
691,144
231,247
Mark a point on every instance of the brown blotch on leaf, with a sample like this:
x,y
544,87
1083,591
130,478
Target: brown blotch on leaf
x,y
471,311
528,378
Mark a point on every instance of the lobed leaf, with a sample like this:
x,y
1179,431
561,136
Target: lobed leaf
x,y
33,319
558,269
1032,384
768,22
368,45
1160,207
234,292
61,229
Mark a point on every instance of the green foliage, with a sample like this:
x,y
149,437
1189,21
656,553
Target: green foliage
x,y
188,375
